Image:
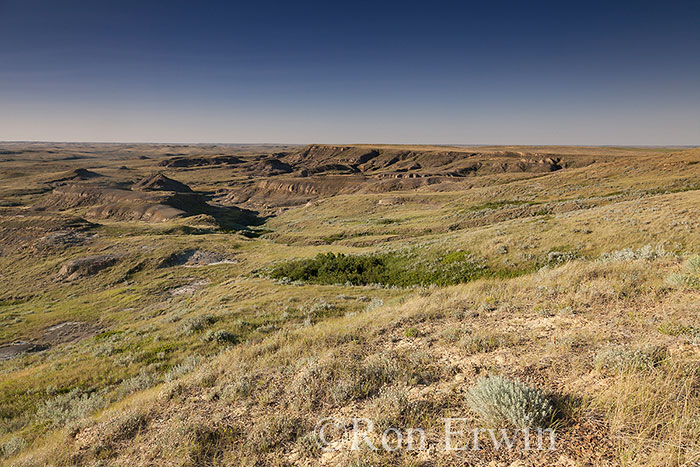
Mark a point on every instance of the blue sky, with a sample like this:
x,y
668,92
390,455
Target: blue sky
x,y
530,72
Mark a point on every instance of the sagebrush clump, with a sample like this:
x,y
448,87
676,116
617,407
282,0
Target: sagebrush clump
x,y
499,400
646,253
70,406
195,324
681,280
13,446
626,359
221,336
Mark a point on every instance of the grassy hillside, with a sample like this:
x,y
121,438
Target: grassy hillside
x,y
286,289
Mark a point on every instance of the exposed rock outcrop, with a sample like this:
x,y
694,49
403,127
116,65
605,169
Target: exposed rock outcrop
x,y
120,204
78,175
414,163
83,267
159,182
193,258
269,167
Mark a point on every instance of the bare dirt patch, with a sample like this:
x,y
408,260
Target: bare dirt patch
x,y
83,267
60,333
188,289
194,258
15,349
68,331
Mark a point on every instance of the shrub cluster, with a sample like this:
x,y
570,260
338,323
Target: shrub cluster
x,y
70,406
221,336
400,269
646,253
196,324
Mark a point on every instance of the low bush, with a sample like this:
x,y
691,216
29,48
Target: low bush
x,y
143,380
70,406
274,431
186,366
13,446
390,408
221,336
645,253
196,323
338,379
499,400
400,269
412,332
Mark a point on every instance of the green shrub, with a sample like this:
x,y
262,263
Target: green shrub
x,y
401,269
411,332
195,324
221,336
498,400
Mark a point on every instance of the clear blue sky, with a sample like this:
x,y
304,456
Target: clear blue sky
x,y
528,72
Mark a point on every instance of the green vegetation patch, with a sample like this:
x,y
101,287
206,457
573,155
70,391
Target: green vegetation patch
x,y
400,269
500,205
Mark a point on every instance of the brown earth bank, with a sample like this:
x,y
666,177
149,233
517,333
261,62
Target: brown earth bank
x,y
326,170
54,335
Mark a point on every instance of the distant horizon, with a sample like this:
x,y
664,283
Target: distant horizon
x,y
269,143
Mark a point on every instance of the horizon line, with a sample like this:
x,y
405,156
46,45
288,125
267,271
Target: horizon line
x,y
612,145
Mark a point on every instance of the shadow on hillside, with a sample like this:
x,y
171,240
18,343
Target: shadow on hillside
x,y
233,218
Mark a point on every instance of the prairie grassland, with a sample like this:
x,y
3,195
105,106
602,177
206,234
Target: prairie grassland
x,y
185,351
583,330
